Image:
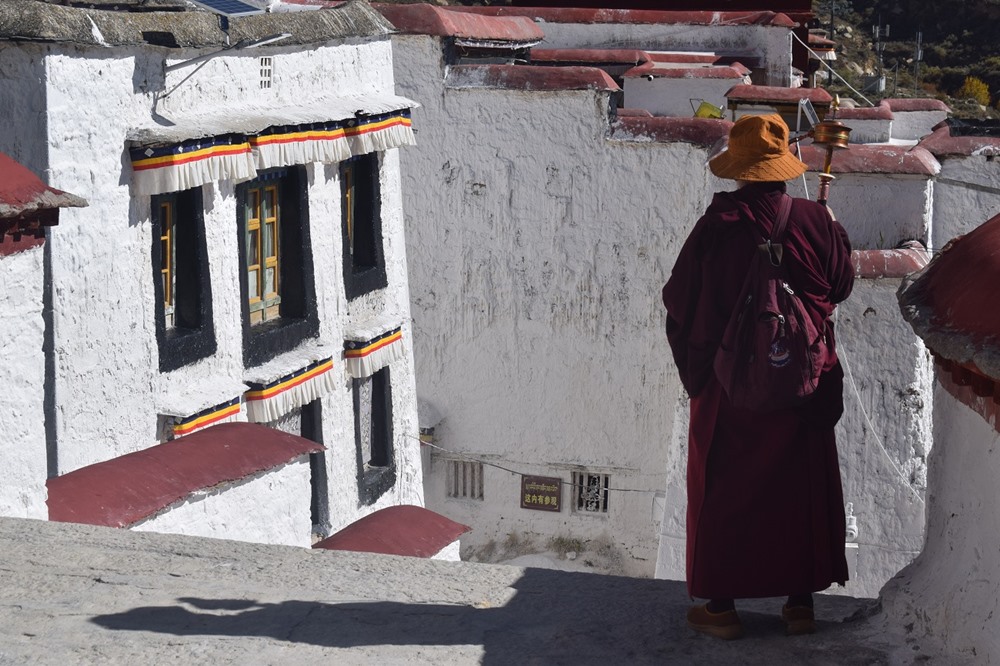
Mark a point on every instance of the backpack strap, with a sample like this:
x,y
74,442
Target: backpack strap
x,y
772,246
784,208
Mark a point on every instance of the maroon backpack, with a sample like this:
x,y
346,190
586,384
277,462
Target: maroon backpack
x,y
771,353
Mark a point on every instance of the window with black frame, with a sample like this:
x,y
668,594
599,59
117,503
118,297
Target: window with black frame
x,y
364,256
183,292
373,435
279,296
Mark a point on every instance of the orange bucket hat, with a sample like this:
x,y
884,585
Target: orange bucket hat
x,y
758,151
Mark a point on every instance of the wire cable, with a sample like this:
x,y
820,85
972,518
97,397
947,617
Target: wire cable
x,y
823,62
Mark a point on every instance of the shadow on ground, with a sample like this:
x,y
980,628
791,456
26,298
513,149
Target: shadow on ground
x,y
552,618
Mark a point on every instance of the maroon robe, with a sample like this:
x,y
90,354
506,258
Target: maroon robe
x,y
765,505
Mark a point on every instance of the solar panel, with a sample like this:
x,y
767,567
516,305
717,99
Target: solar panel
x,y
229,7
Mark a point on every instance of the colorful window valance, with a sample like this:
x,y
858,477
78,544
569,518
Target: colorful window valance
x,y
181,166
222,413
271,400
367,355
161,166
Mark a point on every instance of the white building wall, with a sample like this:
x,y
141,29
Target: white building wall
x,y
966,194
674,97
771,45
22,374
221,512
879,211
108,387
868,131
539,249
914,125
950,593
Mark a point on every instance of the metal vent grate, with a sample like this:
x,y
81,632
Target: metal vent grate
x,y
464,479
266,71
591,492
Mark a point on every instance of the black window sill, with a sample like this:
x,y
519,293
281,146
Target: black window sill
x,y
374,482
269,339
183,346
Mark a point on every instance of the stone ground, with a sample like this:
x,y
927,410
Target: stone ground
x,y
75,594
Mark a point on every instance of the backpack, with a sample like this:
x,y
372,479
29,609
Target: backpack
x,y
771,353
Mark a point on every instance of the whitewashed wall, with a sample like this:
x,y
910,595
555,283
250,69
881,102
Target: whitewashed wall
x,y
914,125
673,97
868,131
108,387
772,45
878,211
950,593
538,252
22,375
221,512
966,194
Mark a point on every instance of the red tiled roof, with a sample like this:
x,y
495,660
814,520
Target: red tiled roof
x,y
397,530
772,94
873,158
952,304
941,143
124,490
528,77
636,16
916,104
700,131
23,195
425,19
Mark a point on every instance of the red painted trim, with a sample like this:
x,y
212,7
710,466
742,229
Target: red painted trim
x,y
873,158
916,104
635,16
124,490
425,19
529,77
710,72
699,131
880,112
897,263
9,246
942,144
767,94
603,56
397,530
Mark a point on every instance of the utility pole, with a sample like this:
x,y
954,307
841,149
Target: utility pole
x,y
917,57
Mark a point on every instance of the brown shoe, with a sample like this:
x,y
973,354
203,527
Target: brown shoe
x,y
799,620
725,625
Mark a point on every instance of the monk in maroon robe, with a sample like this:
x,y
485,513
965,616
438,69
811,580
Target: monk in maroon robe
x,y
765,505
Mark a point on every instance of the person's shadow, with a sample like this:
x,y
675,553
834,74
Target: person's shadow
x,y
555,617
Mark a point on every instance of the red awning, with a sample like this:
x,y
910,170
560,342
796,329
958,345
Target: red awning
x,y
398,530
23,195
124,490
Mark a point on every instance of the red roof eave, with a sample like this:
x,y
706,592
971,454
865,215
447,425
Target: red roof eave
x,y
636,16
397,530
124,490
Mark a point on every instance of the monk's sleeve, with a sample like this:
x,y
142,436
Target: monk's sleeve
x,y
840,270
681,294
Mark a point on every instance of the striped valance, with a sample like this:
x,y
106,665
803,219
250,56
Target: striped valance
x,y
181,166
365,357
271,400
221,413
160,167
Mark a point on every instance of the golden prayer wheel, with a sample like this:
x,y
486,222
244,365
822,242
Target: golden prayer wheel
x,y
832,133
835,135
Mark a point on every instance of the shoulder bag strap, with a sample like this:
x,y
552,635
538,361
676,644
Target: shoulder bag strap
x,y
772,247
